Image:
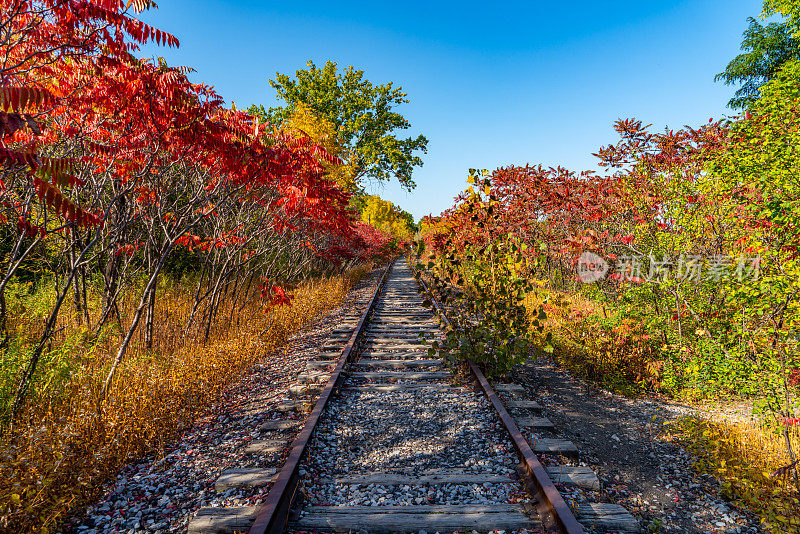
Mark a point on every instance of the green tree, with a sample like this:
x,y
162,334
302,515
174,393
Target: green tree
x,y
766,48
787,8
362,113
763,159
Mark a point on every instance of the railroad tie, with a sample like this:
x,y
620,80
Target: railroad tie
x,y
395,443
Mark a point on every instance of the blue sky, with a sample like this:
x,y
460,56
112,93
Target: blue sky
x,y
520,82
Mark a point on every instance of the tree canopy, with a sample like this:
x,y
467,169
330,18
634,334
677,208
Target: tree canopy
x,y
765,49
363,115
387,217
303,122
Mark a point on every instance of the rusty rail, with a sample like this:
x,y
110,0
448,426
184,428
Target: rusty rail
x,y
555,513
272,515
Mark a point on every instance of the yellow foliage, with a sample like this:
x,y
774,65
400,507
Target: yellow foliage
x,y
303,122
385,216
431,225
69,442
615,353
747,461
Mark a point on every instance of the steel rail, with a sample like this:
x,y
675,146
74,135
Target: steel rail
x,y
555,512
272,514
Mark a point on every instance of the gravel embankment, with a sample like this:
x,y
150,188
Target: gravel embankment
x,y
620,439
160,495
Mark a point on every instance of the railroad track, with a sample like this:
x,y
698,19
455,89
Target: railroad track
x,y
394,444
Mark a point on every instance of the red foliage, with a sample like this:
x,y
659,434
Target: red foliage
x,y
791,421
274,295
560,213
794,377
371,243
132,117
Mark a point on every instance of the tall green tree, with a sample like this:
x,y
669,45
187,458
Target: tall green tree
x,y
362,113
766,48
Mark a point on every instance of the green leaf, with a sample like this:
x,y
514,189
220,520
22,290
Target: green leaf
x,y
365,116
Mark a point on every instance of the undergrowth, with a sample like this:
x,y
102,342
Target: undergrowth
x,y
595,343
616,352
748,462
68,441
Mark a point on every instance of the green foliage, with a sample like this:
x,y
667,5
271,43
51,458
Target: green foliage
x,y
28,303
613,350
57,367
765,162
362,113
766,49
483,288
787,8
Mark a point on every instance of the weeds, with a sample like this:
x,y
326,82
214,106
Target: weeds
x,y
748,462
612,350
595,343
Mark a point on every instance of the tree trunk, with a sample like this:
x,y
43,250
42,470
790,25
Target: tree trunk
x,y
77,294
27,376
148,323
137,316
85,299
110,291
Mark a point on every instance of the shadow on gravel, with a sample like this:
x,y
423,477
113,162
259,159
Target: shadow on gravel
x,y
620,439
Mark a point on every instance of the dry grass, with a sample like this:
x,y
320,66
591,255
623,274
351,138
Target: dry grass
x,y
744,458
69,441
563,310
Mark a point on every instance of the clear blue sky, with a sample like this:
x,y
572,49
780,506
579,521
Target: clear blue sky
x,y
514,83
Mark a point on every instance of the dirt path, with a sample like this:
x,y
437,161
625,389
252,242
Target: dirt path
x,y
618,437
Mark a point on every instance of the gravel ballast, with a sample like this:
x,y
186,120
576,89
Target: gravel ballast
x,y
620,439
161,495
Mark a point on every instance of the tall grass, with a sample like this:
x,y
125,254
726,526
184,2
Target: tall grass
x,y
68,440
597,342
748,463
